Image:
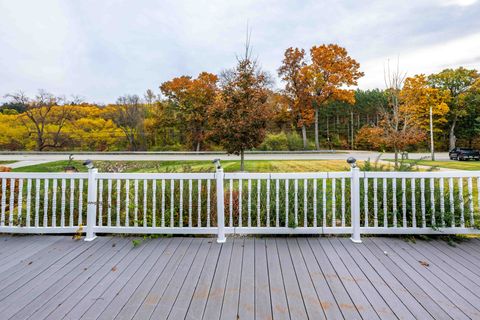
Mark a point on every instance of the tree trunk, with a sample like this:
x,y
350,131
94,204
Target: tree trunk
x,y
242,160
317,144
198,146
304,137
452,138
396,158
351,130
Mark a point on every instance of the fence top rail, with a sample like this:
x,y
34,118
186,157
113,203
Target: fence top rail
x,y
287,175
240,175
156,176
422,174
42,175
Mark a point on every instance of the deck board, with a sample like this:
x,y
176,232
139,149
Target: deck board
x,y
245,278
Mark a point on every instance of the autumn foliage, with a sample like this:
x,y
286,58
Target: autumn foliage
x,y
315,106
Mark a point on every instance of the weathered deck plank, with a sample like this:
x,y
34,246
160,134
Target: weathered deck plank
x,y
245,278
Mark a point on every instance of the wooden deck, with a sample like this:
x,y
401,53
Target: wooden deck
x,y
55,277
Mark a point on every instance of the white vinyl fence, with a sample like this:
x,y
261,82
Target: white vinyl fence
x,y
351,202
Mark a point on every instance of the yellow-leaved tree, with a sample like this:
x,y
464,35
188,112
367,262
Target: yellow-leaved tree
x,y
417,96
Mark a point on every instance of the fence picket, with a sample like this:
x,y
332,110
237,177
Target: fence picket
x,y
127,203
135,203
172,202
37,202
45,202
4,200
268,204
343,203
163,204
154,203
62,203
314,203
452,201
29,202
109,202
394,201
249,203
208,203
470,200
286,203
80,202
404,203
145,190
11,209
277,203
365,200
414,208
180,205
324,202
305,205
295,201
432,201
240,202
442,201
118,202
54,203
199,203
100,202
385,203
190,205
375,203
422,201
230,203
460,202
19,202
334,203
259,186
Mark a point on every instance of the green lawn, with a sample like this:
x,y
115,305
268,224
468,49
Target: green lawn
x,y
459,165
5,162
197,166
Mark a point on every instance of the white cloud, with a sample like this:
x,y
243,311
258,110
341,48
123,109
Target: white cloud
x,y
461,3
103,49
429,59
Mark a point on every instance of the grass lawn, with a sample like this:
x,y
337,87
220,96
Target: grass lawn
x,y
197,166
459,165
6,162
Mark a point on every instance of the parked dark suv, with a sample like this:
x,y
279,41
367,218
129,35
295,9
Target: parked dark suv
x,y
464,154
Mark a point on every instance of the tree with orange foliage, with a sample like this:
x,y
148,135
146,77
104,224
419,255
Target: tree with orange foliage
x,y
193,98
330,71
292,71
399,128
241,112
371,138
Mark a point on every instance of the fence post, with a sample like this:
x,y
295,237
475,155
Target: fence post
x,y
91,204
219,176
355,200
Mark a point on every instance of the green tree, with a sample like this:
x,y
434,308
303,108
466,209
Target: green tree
x,y
457,82
469,125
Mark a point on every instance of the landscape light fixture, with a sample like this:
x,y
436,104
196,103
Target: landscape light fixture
x,y
352,162
217,164
88,164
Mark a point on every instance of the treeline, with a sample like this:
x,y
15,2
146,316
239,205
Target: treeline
x,y
239,110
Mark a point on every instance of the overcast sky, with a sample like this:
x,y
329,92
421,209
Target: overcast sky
x,y
103,49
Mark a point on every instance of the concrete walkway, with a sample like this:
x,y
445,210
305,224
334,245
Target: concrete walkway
x,y
25,163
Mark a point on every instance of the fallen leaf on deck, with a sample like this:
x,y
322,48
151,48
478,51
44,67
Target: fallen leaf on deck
x,y
424,263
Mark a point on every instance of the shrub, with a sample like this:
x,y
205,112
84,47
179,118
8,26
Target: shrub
x,y
294,141
275,142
